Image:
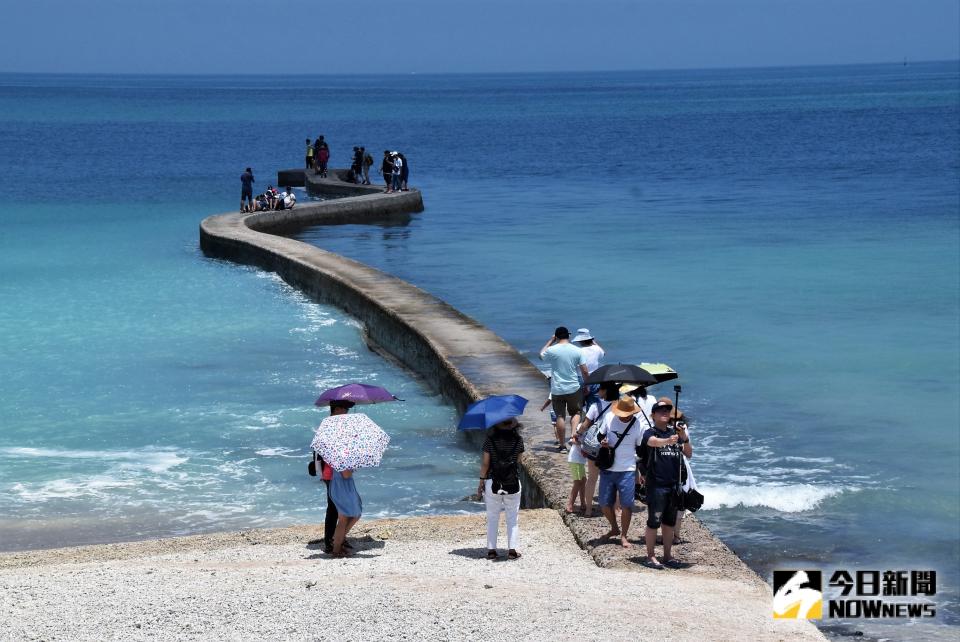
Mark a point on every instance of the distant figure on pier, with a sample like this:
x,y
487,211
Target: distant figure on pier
x,y
395,172
246,190
568,368
309,158
323,157
367,162
386,168
404,172
356,167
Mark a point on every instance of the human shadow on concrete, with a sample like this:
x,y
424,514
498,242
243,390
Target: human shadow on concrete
x,y
477,554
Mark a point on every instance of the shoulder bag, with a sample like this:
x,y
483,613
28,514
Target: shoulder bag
x,y
605,456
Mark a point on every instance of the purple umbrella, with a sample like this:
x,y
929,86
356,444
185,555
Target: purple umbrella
x,y
357,393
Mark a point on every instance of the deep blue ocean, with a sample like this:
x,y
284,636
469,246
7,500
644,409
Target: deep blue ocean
x,y
787,239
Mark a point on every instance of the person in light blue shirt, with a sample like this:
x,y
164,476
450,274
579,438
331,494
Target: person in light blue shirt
x,y
567,365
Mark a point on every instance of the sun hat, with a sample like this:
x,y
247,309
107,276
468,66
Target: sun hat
x,y
583,334
625,406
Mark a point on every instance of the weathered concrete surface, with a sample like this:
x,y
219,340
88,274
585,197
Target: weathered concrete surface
x,y
455,354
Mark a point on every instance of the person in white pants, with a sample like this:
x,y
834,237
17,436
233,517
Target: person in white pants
x,y
500,484
497,503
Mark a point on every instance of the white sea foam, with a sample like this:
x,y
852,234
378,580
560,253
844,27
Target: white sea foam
x,y
786,498
281,452
156,461
70,488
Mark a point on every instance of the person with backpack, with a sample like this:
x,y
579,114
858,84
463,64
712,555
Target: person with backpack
x,y
661,452
367,162
609,392
500,484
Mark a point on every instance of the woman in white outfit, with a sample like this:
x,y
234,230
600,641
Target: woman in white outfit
x,y
500,484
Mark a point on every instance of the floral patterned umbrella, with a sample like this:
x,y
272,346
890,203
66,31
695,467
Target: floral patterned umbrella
x,y
350,441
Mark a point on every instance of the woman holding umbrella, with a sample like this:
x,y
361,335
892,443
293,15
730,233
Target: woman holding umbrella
x,y
344,444
500,466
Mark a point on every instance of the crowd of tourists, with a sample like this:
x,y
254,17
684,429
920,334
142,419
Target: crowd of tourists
x,y
270,199
647,446
393,168
635,445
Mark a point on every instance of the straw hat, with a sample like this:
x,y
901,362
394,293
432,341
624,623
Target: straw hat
x,y
625,406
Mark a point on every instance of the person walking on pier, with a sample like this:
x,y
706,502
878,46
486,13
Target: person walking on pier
x,y
567,364
246,190
404,172
395,173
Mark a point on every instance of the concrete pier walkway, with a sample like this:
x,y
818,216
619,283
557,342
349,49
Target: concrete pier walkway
x,y
453,353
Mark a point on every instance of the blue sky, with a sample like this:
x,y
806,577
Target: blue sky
x,y
403,36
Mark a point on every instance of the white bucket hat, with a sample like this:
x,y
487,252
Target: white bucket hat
x,y
583,334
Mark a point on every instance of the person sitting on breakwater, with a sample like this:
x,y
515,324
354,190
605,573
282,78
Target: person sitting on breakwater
x,y
661,453
287,200
500,484
266,201
246,190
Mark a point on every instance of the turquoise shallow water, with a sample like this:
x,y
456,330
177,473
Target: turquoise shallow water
x,y
787,239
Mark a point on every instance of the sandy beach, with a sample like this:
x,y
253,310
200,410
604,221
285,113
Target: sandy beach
x,y
411,578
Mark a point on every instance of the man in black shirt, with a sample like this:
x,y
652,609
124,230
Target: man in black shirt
x,y
661,454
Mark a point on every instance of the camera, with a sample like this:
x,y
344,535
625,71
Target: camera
x,y
681,425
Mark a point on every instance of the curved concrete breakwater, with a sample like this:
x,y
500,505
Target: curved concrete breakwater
x,y
453,353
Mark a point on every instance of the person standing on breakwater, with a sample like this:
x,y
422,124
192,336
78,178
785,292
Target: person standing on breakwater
x,y
323,157
661,454
395,172
367,162
404,172
386,168
595,413
246,190
620,432
566,365
593,354
500,484
309,158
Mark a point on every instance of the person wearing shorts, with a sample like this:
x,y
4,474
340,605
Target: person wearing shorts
x,y
661,455
620,432
567,368
246,190
578,471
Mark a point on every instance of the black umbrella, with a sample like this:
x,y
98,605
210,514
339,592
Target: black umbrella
x,y
623,373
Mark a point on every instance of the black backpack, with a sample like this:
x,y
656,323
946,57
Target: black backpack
x,y
503,468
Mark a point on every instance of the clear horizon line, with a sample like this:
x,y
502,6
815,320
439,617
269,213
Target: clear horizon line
x,y
897,62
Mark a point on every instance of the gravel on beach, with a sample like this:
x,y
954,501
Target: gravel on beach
x,y
413,578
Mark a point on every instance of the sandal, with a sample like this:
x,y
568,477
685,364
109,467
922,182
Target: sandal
x,y
512,554
657,566
492,554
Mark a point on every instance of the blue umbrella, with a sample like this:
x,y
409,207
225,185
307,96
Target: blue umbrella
x,y
492,410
